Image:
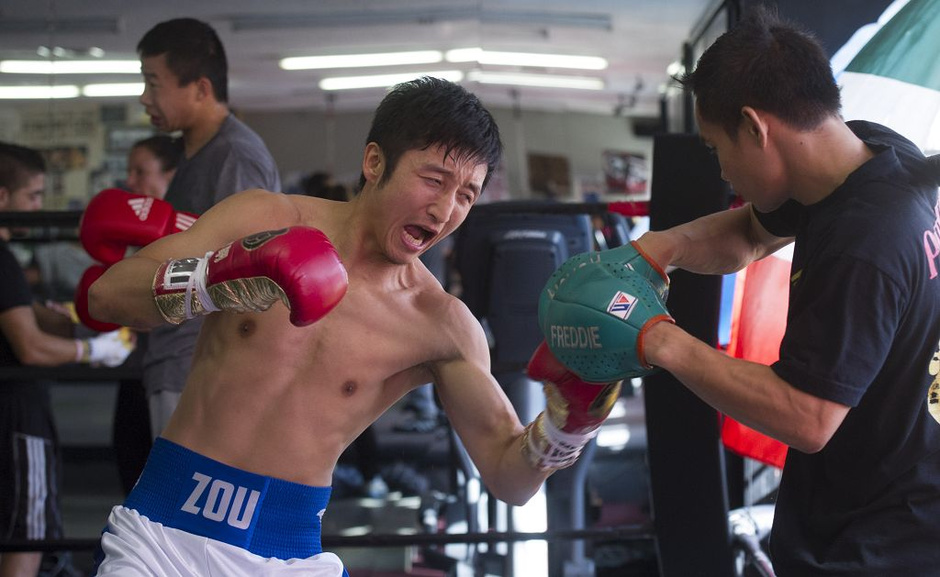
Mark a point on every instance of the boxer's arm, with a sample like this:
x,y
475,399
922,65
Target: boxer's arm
x,y
483,417
750,393
718,243
124,293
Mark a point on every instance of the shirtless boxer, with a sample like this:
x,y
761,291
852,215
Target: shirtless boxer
x,y
274,398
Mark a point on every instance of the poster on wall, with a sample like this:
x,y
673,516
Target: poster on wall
x,y
625,173
549,175
62,158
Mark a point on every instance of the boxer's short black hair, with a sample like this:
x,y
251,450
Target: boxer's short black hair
x,y
428,112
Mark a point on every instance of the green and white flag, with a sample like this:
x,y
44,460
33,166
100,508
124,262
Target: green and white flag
x,y
894,77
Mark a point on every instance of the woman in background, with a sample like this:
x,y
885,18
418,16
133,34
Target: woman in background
x,y
151,165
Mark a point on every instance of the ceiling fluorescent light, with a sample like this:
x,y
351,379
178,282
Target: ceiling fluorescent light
x,y
361,60
537,80
70,66
418,16
37,92
525,59
45,25
123,89
384,80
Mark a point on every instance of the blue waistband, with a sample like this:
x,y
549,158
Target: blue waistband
x,y
268,517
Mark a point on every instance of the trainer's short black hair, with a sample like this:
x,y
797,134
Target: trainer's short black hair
x,y
769,64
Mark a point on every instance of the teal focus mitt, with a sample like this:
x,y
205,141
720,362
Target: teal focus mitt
x,y
594,311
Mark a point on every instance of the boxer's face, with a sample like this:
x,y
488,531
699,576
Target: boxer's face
x,y
427,196
168,104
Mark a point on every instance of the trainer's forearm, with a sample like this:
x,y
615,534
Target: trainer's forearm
x,y
124,294
719,243
751,393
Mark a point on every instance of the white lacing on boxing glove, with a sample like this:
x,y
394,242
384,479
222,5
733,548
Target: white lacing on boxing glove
x,y
547,447
574,412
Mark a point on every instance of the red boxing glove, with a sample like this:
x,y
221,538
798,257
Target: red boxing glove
x,y
116,219
574,412
91,274
298,266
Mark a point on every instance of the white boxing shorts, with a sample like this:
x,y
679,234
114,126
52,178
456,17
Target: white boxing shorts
x,y
192,516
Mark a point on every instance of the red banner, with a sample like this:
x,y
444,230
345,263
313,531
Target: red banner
x,y
758,321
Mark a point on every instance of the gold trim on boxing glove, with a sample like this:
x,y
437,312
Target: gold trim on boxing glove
x,y
255,294
532,444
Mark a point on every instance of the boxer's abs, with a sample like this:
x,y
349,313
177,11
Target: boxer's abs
x,y
277,418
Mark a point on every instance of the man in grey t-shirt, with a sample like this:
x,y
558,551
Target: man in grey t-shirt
x,y
186,89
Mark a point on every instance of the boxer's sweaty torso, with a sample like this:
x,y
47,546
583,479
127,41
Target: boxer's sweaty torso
x,y
284,401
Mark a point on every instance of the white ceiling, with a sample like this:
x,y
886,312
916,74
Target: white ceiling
x,y
638,37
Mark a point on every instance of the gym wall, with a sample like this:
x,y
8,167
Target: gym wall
x,y
303,141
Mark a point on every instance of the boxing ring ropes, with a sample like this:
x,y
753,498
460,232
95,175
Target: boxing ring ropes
x,y
742,537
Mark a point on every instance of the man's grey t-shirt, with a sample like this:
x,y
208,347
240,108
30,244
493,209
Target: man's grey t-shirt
x,y
235,159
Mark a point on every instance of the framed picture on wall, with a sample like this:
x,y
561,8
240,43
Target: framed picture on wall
x,y
549,175
625,172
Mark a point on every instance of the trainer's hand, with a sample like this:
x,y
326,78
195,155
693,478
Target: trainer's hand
x,y
298,266
116,219
108,349
90,275
594,314
633,257
574,412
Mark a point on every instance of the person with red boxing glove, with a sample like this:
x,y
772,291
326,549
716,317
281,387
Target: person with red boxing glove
x,y
151,166
33,335
319,316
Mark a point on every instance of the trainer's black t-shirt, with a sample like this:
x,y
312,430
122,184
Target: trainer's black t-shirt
x,y
863,329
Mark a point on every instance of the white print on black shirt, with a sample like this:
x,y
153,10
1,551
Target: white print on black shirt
x,y
933,393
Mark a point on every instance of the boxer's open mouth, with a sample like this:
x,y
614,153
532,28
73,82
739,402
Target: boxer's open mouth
x,y
419,235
